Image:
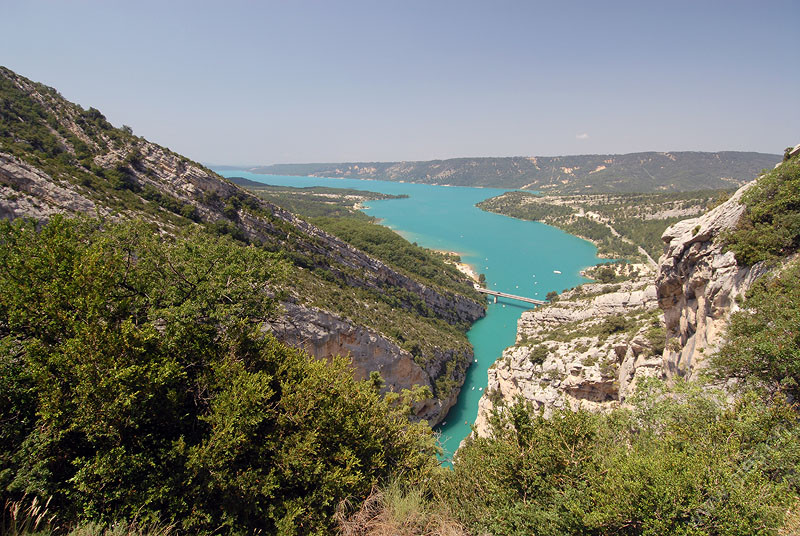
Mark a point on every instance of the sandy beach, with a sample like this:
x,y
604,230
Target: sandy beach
x,y
463,267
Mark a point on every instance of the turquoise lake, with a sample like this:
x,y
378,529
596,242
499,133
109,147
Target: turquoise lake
x,y
518,257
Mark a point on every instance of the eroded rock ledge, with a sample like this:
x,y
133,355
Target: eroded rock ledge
x,y
589,350
698,285
324,335
586,350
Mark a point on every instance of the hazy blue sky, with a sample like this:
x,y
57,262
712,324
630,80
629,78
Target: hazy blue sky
x,y
262,82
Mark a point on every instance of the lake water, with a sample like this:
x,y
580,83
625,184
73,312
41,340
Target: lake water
x,y
518,257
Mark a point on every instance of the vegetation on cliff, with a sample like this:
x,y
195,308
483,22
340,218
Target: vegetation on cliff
x,y
126,177
314,201
334,210
136,381
770,226
678,462
763,349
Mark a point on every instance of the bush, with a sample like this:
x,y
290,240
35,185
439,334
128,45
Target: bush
x,y
763,345
770,226
680,462
606,274
539,354
136,382
614,324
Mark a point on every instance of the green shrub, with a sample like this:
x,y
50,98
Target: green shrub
x,y
136,382
614,324
763,345
770,226
656,338
539,354
681,462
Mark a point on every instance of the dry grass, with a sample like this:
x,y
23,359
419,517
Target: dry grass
x,y
24,517
791,523
132,528
397,512
32,518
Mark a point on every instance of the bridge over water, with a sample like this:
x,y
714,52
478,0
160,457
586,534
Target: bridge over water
x,y
497,294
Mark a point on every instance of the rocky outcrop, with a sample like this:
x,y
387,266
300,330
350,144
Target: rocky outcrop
x,y
324,335
560,359
587,350
698,285
27,192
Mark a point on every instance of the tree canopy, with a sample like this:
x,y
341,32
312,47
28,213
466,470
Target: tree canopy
x,y
136,380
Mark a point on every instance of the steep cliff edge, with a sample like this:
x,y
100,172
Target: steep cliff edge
x,y
587,350
597,347
698,285
323,334
57,158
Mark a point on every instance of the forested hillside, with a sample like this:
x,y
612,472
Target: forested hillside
x,y
56,157
622,226
635,172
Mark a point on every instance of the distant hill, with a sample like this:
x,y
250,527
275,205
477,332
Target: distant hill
x,y
247,183
626,173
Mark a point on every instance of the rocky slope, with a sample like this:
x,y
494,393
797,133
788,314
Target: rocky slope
x,y
323,334
590,347
587,350
56,158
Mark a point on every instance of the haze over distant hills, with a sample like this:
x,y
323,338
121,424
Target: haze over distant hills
x,y
634,172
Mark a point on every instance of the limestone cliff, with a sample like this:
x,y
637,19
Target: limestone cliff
x,y
26,191
586,350
698,285
323,335
589,351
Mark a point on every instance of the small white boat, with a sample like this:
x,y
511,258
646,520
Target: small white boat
x,y
480,388
556,271
473,387
476,360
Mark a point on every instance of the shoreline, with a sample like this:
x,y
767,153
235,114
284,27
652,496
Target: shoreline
x,y
462,267
507,188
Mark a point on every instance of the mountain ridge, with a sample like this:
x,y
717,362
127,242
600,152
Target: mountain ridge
x,y
56,157
639,172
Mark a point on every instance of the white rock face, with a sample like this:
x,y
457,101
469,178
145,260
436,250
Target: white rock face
x,y
698,285
29,192
585,365
324,335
